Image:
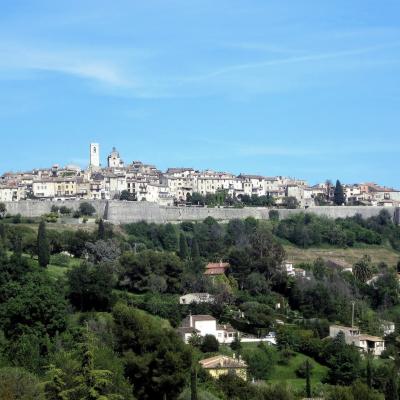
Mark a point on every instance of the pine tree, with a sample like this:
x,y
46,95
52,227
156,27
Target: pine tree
x,y
195,253
93,384
55,389
339,194
183,247
43,247
101,232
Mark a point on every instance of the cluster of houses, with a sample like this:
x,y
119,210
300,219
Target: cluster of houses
x,y
144,182
222,365
202,325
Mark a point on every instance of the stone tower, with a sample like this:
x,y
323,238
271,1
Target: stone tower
x,y
94,155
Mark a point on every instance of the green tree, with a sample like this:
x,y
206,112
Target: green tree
x,y
261,360
43,246
338,197
3,210
101,231
290,202
308,379
157,362
236,345
343,360
94,384
90,286
86,209
127,196
391,387
137,269
183,247
195,253
193,384
210,344
169,238
362,269
273,215
55,388
369,371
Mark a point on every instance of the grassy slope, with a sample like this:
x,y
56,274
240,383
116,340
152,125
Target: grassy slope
x,y
349,255
287,373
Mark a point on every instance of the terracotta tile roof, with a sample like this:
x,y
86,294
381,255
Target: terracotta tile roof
x,y
371,338
222,362
226,327
216,268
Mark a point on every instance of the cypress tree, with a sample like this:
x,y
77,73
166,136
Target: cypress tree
x,y
101,232
369,371
195,249
339,194
43,247
183,247
308,379
193,384
391,387
3,233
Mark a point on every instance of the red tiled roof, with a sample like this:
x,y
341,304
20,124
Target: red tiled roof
x,y
216,268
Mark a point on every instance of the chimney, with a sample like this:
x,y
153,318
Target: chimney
x,y
190,320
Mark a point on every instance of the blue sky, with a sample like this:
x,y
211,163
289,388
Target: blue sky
x,y
305,88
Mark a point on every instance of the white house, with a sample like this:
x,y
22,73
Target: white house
x,y
196,298
44,189
366,343
206,325
388,327
287,267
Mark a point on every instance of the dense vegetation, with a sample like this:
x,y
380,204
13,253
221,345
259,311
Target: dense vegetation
x,y
91,313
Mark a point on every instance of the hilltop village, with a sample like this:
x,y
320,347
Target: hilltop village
x,y
181,186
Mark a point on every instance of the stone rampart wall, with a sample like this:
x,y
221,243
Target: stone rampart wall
x,y
119,212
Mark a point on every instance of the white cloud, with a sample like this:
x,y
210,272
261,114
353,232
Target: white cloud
x,y
82,64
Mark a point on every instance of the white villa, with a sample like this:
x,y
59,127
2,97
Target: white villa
x,y
206,325
196,298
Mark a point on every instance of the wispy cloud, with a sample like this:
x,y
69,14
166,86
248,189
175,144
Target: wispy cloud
x,y
294,60
79,63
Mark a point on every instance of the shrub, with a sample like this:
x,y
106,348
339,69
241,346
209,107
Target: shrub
x,y
16,219
301,370
210,344
87,209
65,210
273,215
52,217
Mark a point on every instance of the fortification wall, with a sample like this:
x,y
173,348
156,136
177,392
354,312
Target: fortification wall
x,y
118,212
343,212
36,208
